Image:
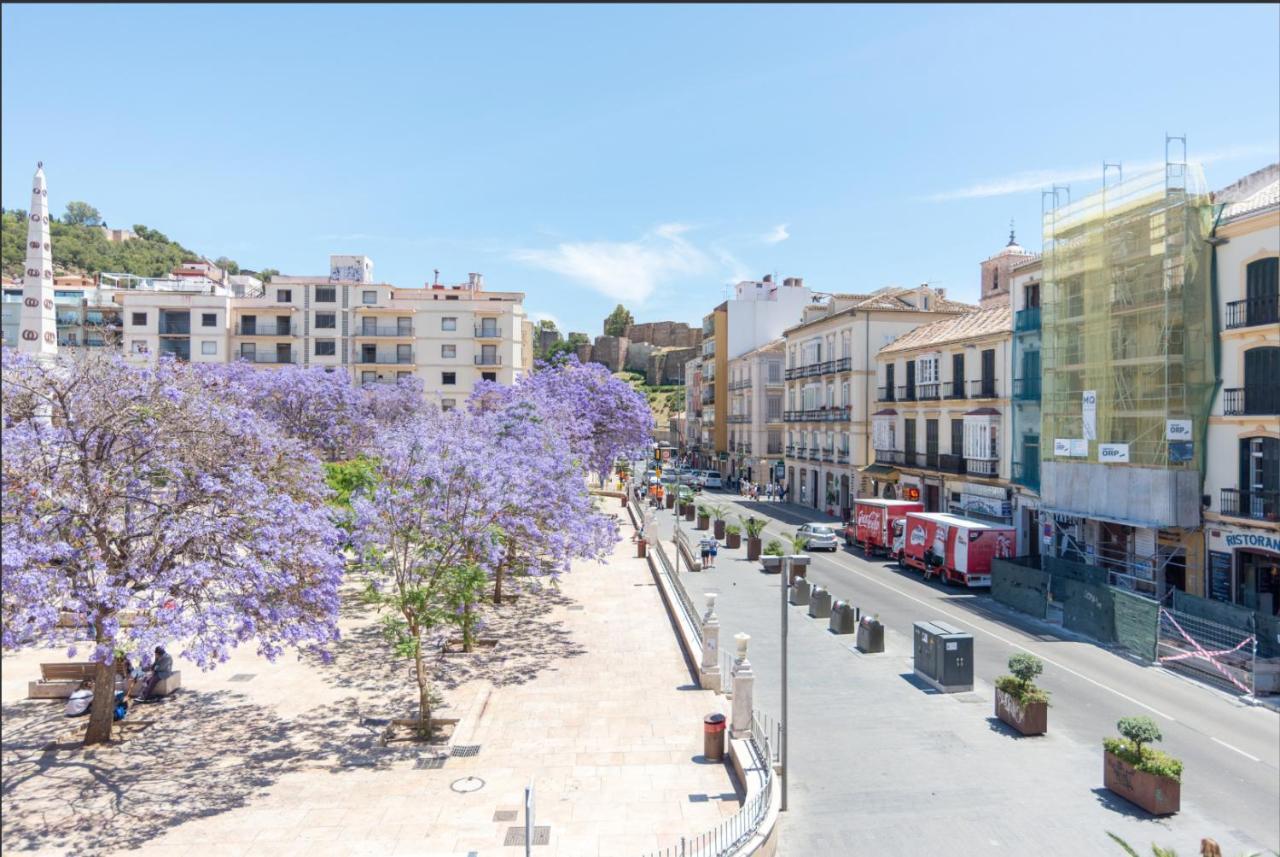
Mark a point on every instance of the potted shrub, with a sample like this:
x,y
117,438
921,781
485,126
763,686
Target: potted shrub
x,y
1140,774
671,499
800,565
732,535
717,515
754,528
772,558
704,518
1019,702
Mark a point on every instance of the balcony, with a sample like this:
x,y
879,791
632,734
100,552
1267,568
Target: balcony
x,y
487,331
893,457
1256,505
488,359
818,415
1251,400
906,394
954,389
1026,389
742,384
269,358
708,395
982,388
885,394
809,371
1026,320
370,331
791,449
842,456
738,418
370,359
952,464
982,467
1252,312
175,328
828,455
254,329
840,365
774,449
67,319
815,454
1027,473
929,392
709,348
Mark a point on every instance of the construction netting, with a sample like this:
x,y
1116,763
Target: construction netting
x,y
1127,324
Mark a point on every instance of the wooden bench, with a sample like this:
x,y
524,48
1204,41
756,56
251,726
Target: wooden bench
x,y
58,681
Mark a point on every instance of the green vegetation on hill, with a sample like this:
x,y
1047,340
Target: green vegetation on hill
x,y
664,400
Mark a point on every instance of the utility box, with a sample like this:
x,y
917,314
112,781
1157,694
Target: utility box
x,y
799,592
944,656
870,636
841,618
819,603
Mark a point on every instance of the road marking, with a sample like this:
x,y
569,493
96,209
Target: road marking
x,y
1237,749
1004,640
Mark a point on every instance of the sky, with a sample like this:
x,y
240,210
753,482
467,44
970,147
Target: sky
x,y
648,155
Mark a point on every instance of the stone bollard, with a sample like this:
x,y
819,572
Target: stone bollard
x,y
743,680
709,672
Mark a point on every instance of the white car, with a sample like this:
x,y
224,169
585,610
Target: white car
x,y
710,479
818,537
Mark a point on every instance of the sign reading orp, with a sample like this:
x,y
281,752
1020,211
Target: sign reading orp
x,y
1117,453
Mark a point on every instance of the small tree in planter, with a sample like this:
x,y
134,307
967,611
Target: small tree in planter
x,y
754,528
799,545
717,515
772,558
1019,702
704,517
732,536
1141,774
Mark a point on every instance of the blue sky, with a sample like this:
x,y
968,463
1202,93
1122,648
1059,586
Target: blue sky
x,y
649,155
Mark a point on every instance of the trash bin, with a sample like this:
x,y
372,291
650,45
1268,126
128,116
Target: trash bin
x,y
713,737
641,546
819,603
799,593
842,621
870,636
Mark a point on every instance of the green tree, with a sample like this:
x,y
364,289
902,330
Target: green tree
x,y
81,214
267,273
228,265
617,321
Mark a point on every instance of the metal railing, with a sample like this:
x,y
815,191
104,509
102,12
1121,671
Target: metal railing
x,y
382,330
1026,320
891,456
818,415
885,394
948,463
982,467
1251,399
740,384
929,392
243,329
489,360
954,389
483,332
1253,311
380,359
1026,389
982,388
906,393
738,418
1258,505
268,357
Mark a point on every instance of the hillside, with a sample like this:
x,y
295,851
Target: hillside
x,y
83,249
663,401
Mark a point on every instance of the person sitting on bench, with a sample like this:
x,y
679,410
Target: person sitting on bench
x,y
80,700
160,670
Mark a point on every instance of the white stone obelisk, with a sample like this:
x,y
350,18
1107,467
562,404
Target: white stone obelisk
x,y
39,330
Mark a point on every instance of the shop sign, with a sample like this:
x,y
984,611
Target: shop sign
x,y
1220,576
994,492
1238,541
991,507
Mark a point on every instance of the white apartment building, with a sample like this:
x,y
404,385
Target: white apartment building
x,y
85,314
448,336
756,389
1242,477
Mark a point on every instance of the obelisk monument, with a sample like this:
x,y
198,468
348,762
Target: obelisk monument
x,y
39,331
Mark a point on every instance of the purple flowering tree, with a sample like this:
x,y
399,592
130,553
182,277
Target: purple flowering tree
x,y
157,510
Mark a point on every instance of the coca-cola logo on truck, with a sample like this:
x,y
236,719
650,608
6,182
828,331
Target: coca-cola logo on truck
x,y
917,535
868,519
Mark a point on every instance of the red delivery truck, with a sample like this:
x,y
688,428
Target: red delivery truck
x,y
872,526
955,548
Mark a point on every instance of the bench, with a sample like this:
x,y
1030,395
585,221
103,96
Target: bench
x,y
58,681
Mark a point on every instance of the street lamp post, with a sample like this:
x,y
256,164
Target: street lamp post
x,y
782,731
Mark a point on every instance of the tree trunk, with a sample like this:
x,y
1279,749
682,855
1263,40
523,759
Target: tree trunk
x,y
424,693
467,641
102,710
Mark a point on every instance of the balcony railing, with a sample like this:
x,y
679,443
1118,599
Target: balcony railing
x,y
791,449
369,359
891,456
742,384
243,329
488,359
906,394
982,388
805,371
953,389
1256,399
1253,311
370,330
929,392
1257,505
1027,473
68,319
818,415
1027,320
267,357
885,394
842,456
739,418
952,464
982,467
774,449
815,454
1026,389
841,364
175,328
487,332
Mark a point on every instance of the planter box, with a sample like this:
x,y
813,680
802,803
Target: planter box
x,y
734,540
704,522
772,564
671,500
688,513
1157,795
720,530
1029,719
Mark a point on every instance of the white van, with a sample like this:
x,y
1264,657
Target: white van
x,y
711,479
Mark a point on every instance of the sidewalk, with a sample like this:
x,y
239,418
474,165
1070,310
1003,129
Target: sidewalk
x,y
588,697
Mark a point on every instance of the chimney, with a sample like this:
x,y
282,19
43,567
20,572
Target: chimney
x,y
768,278
798,282
788,282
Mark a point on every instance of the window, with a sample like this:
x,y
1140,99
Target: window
x,y
284,296
447,404
139,319
404,326
448,351
489,376
400,376
326,320
448,378
369,297
208,319
927,370
208,348
449,323
139,347
774,407
404,353
326,348
248,350
369,377
326,295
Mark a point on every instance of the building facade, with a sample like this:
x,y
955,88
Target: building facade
x,y
756,391
1242,484
1024,292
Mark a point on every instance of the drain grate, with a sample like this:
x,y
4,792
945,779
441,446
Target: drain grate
x,y
464,750
430,763
505,814
515,836
243,677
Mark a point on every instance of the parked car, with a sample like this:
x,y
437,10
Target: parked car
x,y
711,479
818,537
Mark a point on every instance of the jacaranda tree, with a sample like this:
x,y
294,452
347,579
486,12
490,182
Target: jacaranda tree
x,y
157,510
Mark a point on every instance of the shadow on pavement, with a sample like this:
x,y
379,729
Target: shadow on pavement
x,y
919,683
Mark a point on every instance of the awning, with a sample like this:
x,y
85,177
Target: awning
x,y
880,471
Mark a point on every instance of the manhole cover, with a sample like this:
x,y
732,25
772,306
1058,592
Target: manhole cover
x,y
242,677
515,836
430,763
464,750
505,814
466,785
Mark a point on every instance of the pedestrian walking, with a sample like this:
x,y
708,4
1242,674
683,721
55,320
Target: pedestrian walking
x,y
704,549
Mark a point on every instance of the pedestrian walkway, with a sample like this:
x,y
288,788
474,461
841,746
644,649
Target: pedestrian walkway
x,y
587,696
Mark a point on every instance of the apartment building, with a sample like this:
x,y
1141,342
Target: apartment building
x,y
756,389
1242,480
85,314
1025,280
942,428
451,337
830,388
690,447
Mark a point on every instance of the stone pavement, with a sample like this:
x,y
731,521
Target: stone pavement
x,y
587,695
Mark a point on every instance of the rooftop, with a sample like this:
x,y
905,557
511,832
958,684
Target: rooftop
x,y
971,325
1257,191
893,299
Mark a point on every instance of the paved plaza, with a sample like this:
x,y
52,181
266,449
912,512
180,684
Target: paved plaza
x,y
587,696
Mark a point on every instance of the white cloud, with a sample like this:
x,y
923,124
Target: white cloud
x,y
777,235
536,316
1027,181
628,271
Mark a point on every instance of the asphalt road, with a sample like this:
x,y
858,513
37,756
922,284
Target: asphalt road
x,y
1230,749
